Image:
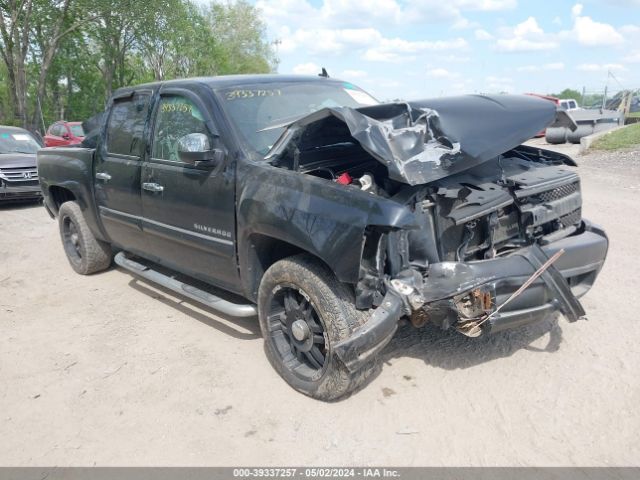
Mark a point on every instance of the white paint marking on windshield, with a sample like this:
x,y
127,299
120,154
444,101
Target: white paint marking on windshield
x,y
361,97
21,137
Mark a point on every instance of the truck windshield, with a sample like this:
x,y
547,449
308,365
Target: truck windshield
x,y
17,142
262,111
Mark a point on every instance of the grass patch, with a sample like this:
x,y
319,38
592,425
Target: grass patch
x,y
624,138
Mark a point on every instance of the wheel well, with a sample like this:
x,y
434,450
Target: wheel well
x,y
60,195
263,252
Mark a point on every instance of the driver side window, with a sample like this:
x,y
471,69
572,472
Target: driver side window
x,y
176,117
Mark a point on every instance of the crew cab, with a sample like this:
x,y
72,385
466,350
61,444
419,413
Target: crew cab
x,y
329,215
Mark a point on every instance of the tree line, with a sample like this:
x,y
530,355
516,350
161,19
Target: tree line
x,y
62,59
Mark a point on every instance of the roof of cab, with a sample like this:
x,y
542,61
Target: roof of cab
x,y
225,81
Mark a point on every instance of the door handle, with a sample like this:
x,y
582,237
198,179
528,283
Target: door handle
x,y
152,187
103,176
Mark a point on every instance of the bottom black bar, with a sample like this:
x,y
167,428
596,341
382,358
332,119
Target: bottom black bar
x,y
268,473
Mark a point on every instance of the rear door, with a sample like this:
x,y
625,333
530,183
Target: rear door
x,y
189,211
117,170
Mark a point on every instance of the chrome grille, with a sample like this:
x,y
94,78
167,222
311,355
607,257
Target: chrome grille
x,y
19,174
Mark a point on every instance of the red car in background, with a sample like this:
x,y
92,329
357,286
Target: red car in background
x,y
64,133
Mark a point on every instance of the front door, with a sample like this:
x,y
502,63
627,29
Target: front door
x,y
117,171
189,211
54,137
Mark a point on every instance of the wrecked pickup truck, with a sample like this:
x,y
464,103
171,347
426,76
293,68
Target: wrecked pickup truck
x,y
329,215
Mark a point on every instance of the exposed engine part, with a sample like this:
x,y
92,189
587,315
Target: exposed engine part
x,y
492,221
474,304
331,173
367,183
469,328
419,318
401,287
473,307
468,236
409,284
344,179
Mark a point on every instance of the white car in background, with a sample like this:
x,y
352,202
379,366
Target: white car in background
x,y
569,104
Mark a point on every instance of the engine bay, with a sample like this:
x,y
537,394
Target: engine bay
x,y
523,196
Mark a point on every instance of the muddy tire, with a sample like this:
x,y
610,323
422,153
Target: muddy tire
x,y
304,310
85,253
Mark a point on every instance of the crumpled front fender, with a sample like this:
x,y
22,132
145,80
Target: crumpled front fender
x,y
373,336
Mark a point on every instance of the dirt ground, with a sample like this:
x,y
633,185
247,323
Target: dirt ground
x,y
108,370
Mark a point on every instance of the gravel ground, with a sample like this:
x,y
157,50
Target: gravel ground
x,y
108,370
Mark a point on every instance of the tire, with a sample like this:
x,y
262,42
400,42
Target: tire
x,y
323,302
556,135
85,253
578,133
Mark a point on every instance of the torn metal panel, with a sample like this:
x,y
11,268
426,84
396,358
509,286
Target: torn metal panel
x,y
423,141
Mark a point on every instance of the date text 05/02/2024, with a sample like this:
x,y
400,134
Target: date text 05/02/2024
x,y
315,473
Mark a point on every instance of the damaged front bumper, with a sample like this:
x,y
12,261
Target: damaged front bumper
x,y
455,293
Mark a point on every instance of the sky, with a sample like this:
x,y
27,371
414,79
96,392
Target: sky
x,y
426,48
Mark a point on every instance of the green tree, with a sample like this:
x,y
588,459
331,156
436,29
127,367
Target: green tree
x,y
239,35
15,24
64,58
173,42
568,93
113,37
22,21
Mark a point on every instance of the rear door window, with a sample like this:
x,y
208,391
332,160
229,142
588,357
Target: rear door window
x,y
125,130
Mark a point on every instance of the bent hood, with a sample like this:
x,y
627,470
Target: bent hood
x,y
426,140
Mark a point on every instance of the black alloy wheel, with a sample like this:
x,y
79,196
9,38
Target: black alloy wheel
x,y
297,333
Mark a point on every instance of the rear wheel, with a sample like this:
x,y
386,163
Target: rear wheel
x,y
303,312
85,253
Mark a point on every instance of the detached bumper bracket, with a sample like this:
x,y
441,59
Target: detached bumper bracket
x,y
566,301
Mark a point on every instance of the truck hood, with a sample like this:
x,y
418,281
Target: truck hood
x,y
17,160
426,140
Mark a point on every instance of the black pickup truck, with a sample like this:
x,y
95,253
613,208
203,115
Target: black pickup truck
x,y
329,215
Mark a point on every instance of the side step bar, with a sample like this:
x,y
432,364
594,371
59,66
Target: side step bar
x,y
217,303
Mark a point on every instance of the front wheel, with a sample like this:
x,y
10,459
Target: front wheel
x,y
85,253
304,310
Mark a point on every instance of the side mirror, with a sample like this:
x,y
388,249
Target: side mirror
x,y
195,149
65,136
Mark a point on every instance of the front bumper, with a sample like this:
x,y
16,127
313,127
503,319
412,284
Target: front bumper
x,y
8,191
447,284
558,289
